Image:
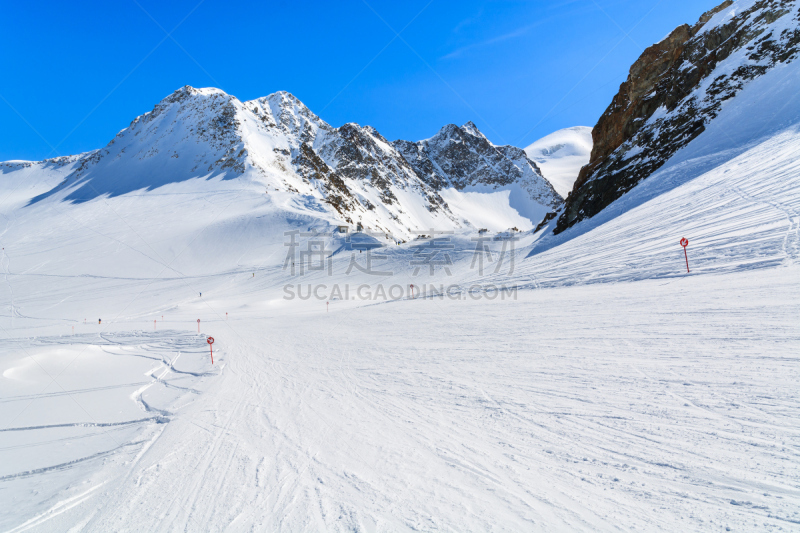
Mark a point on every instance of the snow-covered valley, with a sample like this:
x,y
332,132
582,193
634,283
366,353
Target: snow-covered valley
x,y
613,391
448,368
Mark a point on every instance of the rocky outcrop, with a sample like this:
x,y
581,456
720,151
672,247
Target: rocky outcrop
x,y
311,167
363,154
462,157
673,90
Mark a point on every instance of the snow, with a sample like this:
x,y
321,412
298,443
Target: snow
x,y
353,176
561,155
615,391
727,14
604,410
604,389
494,210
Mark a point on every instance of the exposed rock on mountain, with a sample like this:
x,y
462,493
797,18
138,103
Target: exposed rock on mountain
x,y
463,157
674,89
279,144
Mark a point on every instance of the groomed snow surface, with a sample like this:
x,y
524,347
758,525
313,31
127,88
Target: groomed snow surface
x,y
606,389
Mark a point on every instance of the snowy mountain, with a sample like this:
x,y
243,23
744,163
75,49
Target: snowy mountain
x,y
561,155
582,381
674,92
350,174
462,159
613,379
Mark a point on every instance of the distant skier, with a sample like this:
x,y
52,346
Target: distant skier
x,y
201,295
99,320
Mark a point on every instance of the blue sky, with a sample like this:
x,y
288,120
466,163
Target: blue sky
x,y
74,75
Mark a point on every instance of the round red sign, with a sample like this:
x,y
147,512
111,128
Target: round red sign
x,y
210,340
684,242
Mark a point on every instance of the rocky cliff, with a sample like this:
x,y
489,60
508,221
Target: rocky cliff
x,y
673,90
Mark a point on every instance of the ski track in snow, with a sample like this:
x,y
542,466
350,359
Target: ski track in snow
x,y
615,392
647,427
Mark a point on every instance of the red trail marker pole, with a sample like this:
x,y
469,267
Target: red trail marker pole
x,y
685,243
198,325
210,342
154,325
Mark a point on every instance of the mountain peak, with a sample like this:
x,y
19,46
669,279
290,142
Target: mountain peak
x,y
463,158
470,127
561,155
284,97
276,142
187,91
282,102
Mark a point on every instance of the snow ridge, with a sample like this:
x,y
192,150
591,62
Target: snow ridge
x,y
352,174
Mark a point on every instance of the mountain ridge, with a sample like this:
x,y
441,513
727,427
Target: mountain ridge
x,y
278,143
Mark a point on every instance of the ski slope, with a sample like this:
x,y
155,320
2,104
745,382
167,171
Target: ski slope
x,y
651,400
614,391
380,421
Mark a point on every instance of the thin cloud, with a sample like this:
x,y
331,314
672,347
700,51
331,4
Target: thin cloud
x,y
468,21
497,39
573,7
